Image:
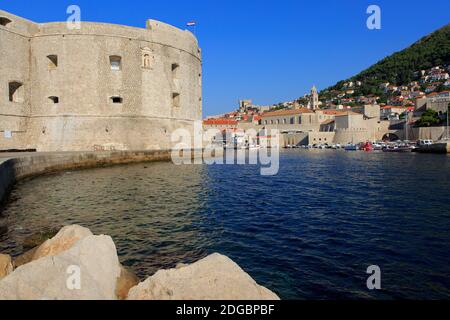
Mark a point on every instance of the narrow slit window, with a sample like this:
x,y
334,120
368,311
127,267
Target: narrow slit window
x,y
116,100
4,21
176,99
54,99
52,61
116,63
16,92
175,69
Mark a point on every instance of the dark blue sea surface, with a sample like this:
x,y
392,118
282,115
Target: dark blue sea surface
x,y
309,232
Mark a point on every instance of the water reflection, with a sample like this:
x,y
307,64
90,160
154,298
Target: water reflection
x,y
309,232
151,211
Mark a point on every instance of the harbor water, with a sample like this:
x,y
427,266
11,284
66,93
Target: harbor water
x,y
310,232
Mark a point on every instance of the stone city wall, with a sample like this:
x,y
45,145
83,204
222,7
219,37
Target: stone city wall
x,y
71,99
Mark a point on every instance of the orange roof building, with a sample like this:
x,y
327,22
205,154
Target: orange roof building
x,y
280,113
220,122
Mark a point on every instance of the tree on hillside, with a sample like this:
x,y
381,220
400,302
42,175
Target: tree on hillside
x,y
440,88
399,68
429,118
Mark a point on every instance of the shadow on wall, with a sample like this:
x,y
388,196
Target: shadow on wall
x,y
7,180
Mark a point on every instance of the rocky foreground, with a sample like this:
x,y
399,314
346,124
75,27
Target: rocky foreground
x,y
75,264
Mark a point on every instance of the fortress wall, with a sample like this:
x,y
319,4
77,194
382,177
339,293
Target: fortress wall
x,y
19,25
113,133
14,67
355,136
156,32
85,117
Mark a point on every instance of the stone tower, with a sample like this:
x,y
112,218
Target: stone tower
x,y
314,99
103,87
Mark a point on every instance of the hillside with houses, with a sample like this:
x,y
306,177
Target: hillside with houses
x,y
411,81
405,96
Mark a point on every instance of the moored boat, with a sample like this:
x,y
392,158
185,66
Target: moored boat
x,y
367,147
428,146
397,149
351,147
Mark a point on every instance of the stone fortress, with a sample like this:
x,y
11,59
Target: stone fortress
x,y
100,87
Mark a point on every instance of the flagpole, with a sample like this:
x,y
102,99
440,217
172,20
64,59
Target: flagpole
x,y
193,27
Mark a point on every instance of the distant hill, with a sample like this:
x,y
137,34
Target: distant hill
x,y
400,67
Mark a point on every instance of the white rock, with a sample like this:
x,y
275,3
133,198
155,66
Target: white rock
x,y
62,241
6,266
214,278
54,277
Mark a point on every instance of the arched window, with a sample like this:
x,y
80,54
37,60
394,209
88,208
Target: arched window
x,y
146,61
147,58
4,21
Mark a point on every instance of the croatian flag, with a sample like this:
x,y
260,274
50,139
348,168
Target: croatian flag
x,y
191,24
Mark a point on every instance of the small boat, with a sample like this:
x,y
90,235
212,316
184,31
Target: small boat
x,y
351,147
397,149
377,146
428,146
367,147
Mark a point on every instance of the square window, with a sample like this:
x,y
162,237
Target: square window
x,y
8,134
116,63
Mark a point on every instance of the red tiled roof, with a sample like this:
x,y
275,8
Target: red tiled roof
x,y
346,113
285,112
221,121
333,112
436,93
390,107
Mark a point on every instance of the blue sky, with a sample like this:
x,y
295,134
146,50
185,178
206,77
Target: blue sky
x,y
267,50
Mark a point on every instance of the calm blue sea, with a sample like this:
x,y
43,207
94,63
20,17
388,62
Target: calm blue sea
x,y
309,232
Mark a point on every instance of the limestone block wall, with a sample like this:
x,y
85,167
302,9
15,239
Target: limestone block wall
x,y
321,137
14,71
154,89
432,133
